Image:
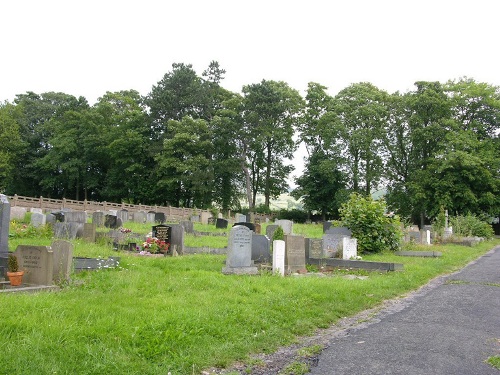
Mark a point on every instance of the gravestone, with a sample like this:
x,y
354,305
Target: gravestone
x,y
448,232
425,237
177,239
38,264
140,217
188,226
111,221
245,224
221,223
162,232
4,232
340,231
332,244
279,257
261,251
68,231
295,254
326,225
314,248
59,215
122,215
160,217
414,237
211,220
150,217
239,252
63,260
270,229
195,218
89,232
258,228
36,210
98,218
240,218
17,213
50,219
37,219
204,216
75,217
349,248
287,225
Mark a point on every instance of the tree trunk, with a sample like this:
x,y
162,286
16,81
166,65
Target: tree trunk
x,y
267,189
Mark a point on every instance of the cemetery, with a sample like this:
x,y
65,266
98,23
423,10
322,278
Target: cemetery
x,y
220,282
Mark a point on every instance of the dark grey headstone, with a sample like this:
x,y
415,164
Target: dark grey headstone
x,y
160,217
59,216
261,248
270,229
314,248
162,232
221,223
177,239
211,220
326,225
188,226
111,221
250,226
341,231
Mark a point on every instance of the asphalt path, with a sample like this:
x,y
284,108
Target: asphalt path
x,y
451,326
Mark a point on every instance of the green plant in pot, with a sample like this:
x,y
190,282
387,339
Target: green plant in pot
x,y
15,276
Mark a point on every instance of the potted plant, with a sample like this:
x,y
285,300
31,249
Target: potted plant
x,y
15,276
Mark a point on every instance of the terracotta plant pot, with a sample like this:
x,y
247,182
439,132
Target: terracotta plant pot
x,y
15,278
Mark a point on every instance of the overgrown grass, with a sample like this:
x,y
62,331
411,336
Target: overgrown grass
x,y
181,314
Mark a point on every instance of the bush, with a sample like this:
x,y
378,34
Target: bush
x,y
297,216
471,226
367,219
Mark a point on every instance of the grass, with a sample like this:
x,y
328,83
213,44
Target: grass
x,y
494,361
181,314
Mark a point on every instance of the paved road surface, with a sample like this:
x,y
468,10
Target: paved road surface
x,y
450,327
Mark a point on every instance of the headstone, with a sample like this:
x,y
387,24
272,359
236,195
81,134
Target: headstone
x,y
150,217
17,213
340,231
287,225
279,257
258,228
314,248
245,224
239,252
98,218
261,249
35,210
37,262
160,217
204,216
89,232
63,260
188,226
270,229
195,218
332,244
59,215
177,239
326,225
295,254
211,220
112,212
140,217
425,237
240,218
4,232
414,237
349,248
75,217
68,231
448,232
50,219
38,219
162,232
111,221
221,223
122,215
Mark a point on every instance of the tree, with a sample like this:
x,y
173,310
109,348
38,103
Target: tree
x,y
10,143
271,112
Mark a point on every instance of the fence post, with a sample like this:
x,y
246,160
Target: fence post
x,y
41,201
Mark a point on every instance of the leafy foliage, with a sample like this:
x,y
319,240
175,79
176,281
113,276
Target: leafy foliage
x,y
470,225
370,225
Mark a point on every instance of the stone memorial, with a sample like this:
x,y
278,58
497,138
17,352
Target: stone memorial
x,y
340,231
349,248
211,220
295,254
204,216
59,215
160,217
195,218
240,218
150,217
68,231
89,232
38,220
122,215
414,237
332,244
98,218
140,217
162,232
287,225
63,260
17,213
35,210
314,248
326,225
239,252
270,229
37,262
221,223
188,226
279,257
112,222
245,224
50,219
75,217
261,249
177,240
4,232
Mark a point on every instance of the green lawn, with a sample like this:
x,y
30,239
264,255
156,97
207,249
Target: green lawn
x,y
181,314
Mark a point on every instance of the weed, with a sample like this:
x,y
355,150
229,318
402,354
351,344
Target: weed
x,y
296,368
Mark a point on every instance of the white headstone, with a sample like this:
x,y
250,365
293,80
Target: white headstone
x,y
349,248
279,257
239,252
38,219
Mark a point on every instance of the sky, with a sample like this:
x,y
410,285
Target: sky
x,y
86,48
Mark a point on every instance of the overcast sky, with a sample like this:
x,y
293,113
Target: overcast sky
x,y
85,48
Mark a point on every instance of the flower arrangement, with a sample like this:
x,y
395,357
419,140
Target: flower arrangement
x,y
154,245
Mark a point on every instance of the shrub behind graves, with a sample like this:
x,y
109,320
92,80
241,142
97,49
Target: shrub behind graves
x,y
471,225
367,219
